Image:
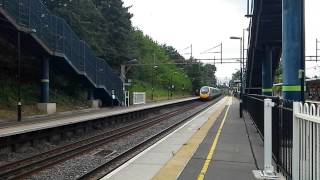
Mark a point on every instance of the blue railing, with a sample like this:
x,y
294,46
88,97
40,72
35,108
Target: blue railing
x,y
62,41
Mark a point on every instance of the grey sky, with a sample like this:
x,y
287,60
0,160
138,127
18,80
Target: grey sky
x,y
206,23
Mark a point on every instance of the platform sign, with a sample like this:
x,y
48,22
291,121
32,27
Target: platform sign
x,y
139,98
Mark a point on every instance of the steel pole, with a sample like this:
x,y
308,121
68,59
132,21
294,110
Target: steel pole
x,y
221,53
243,41
45,80
169,90
123,79
241,78
316,50
243,49
171,86
19,105
155,79
191,50
152,83
248,7
266,68
293,49
182,89
303,59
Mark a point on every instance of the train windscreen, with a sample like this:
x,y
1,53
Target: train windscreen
x,y
204,90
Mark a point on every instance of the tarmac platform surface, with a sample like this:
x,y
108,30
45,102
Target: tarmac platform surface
x,y
234,156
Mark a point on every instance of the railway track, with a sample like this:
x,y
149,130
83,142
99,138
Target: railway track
x,y
104,169
26,167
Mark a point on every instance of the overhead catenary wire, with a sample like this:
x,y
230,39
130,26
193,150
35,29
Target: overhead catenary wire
x,y
208,50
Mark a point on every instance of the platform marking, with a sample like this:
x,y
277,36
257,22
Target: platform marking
x,y
174,167
110,175
214,145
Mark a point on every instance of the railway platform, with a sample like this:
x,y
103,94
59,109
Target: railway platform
x,y
8,128
216,144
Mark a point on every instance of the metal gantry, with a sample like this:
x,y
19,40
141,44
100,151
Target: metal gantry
x,y
210,51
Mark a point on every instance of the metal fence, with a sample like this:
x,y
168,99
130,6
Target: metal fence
x,y
58,36
306,136
282,128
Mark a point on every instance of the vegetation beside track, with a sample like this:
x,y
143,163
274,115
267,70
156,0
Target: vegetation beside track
x,y
106,27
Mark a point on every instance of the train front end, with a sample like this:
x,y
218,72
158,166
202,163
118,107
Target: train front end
x,y
205,93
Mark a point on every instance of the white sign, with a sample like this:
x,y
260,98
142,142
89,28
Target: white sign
x,y
139,98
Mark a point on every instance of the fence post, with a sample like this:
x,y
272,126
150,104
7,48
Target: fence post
x,y
295,143
268,172
268,167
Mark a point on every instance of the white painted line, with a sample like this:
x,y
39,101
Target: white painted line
x,y
157,143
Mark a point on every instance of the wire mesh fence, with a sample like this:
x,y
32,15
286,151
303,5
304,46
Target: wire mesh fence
x,y
58,36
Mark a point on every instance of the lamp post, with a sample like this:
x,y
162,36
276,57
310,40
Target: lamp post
x,y
243,52
317,42
171,84
19,104
240,38
169,90
19,59
152,83
124,68
183,89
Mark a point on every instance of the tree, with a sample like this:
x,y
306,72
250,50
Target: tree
x,y
120,28
235,77
106,27
209,75
104,24
173,53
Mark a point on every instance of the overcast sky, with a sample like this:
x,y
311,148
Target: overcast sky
x,y
206,23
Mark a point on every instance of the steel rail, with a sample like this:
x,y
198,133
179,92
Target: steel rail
x,y
28,166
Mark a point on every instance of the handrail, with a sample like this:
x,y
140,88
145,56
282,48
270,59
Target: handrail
x,y
57,37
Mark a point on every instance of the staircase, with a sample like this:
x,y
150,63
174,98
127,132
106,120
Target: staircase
x,y
56,38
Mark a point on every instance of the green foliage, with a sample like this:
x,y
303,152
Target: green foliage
x,y
106,26
278,74
235,76
9,93
154,65
201,75
67,97
173,53
159,93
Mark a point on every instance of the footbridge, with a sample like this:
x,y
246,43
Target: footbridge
x,y
289,124
51,39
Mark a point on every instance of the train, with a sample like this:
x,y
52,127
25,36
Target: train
x,y
208,93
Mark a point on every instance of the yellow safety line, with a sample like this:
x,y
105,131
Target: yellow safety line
x,y
213,147
174,167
